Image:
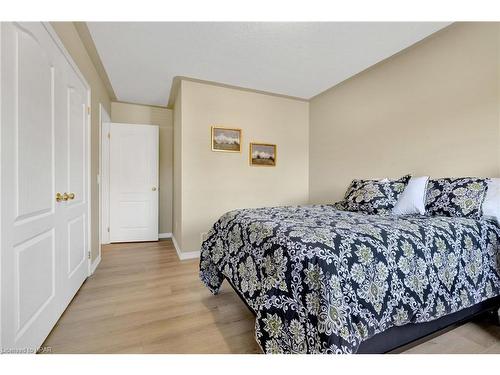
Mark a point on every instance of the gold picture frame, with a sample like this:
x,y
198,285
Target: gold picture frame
x,y
263,154
224,139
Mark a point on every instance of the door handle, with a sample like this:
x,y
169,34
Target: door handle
x,y
153,188
62,197
71,196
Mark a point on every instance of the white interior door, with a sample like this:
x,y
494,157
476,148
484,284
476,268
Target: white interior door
x,y
43,151
133,182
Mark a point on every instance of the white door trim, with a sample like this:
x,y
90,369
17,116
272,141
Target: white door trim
x,y
89,182
103,179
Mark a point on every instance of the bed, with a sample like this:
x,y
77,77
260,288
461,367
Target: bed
x,y
324,280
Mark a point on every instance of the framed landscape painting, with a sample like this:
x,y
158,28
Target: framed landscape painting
x,y
226,139
262,154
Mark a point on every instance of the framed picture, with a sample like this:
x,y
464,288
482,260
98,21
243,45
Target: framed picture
x,y
262,154
226,139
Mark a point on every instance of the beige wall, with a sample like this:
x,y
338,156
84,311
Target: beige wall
x,y
71,40
213,183
431,110
150,115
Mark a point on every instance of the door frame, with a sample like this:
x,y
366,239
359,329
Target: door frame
x,y
104,130
88,141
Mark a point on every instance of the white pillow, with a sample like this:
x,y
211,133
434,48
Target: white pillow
x,y
412,199
491,204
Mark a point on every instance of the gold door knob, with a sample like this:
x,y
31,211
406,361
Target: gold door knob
x,y
71,196
61,197
153,188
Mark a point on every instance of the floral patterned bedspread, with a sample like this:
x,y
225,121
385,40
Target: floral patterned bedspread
x,y
323,280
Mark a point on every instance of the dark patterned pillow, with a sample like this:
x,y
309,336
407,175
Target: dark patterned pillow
x,y
456,197
373,196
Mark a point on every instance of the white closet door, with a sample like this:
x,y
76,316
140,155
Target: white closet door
x,y
35,164
74,221
133,183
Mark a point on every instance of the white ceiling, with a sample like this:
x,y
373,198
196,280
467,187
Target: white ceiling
x,y
298,59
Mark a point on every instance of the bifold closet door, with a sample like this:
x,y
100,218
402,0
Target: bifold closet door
x,y
43,152
134,160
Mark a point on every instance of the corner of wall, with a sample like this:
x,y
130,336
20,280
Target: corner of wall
x,y
177,189
308,125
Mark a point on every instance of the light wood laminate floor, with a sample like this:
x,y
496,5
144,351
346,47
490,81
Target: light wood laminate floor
x,y
142,299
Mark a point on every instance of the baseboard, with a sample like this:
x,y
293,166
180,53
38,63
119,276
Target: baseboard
x,y
189,255
164,235
94,264
185,255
